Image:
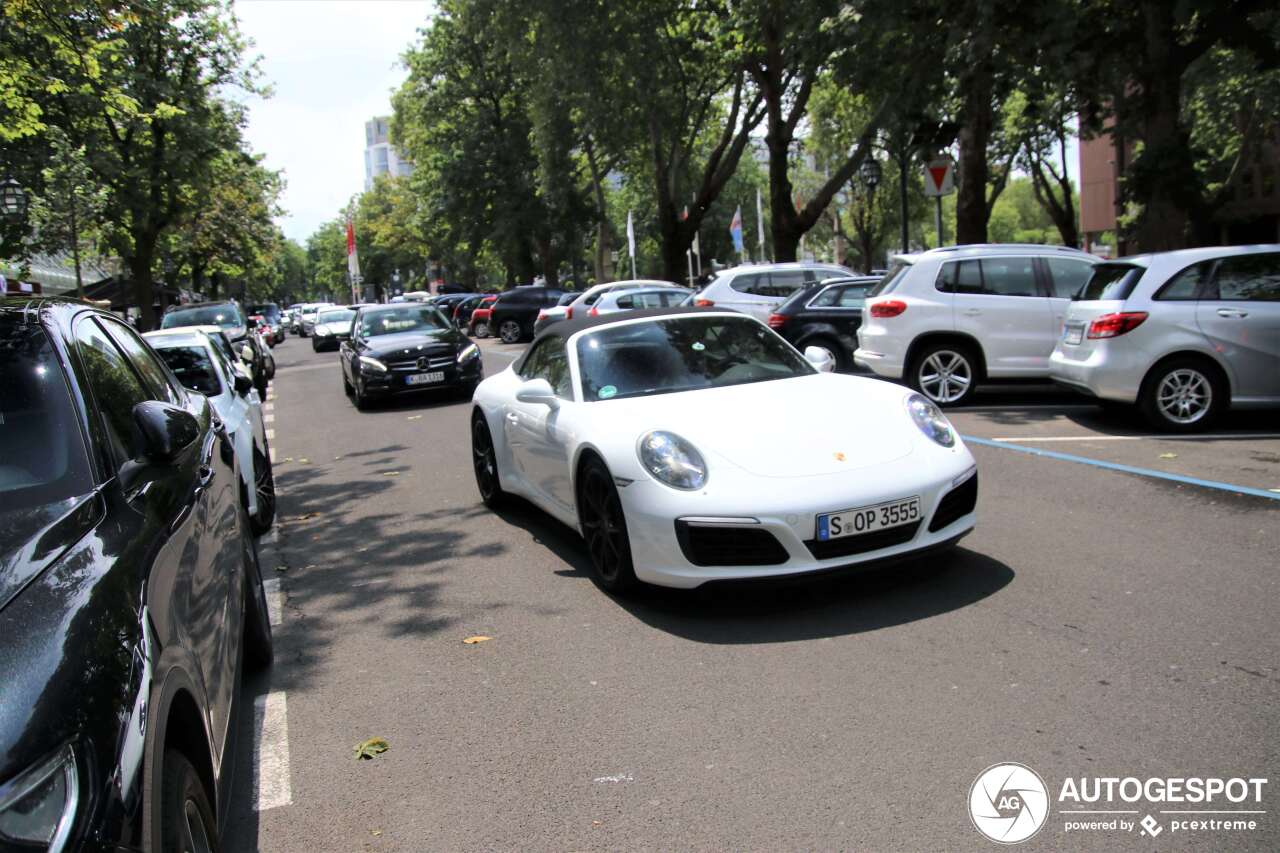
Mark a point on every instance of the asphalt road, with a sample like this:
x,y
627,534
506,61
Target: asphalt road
x,y
1097,623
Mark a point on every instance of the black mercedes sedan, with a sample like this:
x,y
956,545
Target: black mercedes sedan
x,y
405,348
130,592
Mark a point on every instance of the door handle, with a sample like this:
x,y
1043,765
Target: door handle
x,y
971,312
512,417
1232,312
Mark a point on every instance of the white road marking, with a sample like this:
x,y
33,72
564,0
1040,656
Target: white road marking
x,y
271,788
620,777
272,452
1163,437
271,435
268,419
275,601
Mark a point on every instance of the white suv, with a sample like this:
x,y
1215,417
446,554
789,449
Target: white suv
x,y
758,289
949,318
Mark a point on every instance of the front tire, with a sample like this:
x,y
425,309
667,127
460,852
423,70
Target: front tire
x,y
604,527
1183,395
481,330
510,332
361,399
259,649
484,460
945,373
187,823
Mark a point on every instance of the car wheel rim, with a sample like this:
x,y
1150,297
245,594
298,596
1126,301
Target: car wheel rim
x,y
482,330
945,376
266,487
603,525
830,353
1184,396
510,332
484,459
195,835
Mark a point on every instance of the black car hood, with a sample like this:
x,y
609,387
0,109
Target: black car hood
x,y
409,344
67,640
39,536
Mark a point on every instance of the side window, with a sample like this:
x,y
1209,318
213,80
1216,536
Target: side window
x,y
1068,275
960,277
750,283
1009,276
626,301
672,297
826,298
549,362
1255,278
116,388
785,283
1186,284
146,363
650,300
533,364
853,296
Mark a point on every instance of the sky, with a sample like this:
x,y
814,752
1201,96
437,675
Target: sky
x,y
332,65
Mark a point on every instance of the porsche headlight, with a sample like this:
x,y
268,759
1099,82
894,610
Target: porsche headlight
x,y
372,365
38,807
931,420
469,353
672,460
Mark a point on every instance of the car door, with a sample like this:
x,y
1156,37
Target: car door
x,y
1239,313
997,301
538,443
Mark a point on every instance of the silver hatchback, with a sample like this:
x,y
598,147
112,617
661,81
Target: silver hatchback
x,y
1184,335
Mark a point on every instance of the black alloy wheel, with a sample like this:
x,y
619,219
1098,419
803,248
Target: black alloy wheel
x,y
604,526
362,399
258,646
264,484
484,459
510,332
187,824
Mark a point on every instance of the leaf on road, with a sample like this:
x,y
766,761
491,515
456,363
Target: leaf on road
x,y
391,473
478,638
366,750
376,833
1168,456
288,459
282,568
414,418
304,460
306,516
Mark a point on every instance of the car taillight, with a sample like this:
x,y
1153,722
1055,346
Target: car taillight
x,y
891,308
542,315
568,313
703,303
777,321
1114,325
594,312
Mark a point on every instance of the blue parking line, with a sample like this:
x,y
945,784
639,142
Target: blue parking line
x,y
1128,469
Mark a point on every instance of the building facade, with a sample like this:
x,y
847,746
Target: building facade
x,y
380,156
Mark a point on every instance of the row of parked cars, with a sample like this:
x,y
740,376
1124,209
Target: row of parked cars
x,y
134,471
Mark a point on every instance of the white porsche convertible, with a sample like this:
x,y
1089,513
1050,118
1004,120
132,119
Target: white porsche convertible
x,y
690,446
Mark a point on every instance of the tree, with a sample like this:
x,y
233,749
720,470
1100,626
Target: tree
x,y
67,215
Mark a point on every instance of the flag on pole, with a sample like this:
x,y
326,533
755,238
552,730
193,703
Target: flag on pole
x,y
760,222
631,236
353,260
735,230
696,249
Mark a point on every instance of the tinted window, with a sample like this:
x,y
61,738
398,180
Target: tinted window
x,y
143,360
1252,277
960,277
680,355
826,299
548,361
750,283
786,283
1009,277
891,278
115,387
1186,284
42,455
1068,275
853,295
193,367
402,318
672,297
1111,281
335,315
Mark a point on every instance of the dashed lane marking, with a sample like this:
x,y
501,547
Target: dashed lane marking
x,y
275,601
268,419
271,753
271,435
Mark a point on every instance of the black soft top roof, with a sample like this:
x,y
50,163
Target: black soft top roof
x,y
568,328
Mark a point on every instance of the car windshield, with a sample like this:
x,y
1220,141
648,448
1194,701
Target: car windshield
x,y
402,318
682,354
1110,281
193,366
42,456
225,316
271,312
338,315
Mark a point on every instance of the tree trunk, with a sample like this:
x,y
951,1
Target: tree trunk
x,y
603,258
972,210
140,263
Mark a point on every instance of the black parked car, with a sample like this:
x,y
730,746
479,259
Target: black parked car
x,y
230,317
402,348
462,311
825,314
130,591
274,316
516,311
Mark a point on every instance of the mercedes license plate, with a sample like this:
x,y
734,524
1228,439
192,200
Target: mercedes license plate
x,y
424,378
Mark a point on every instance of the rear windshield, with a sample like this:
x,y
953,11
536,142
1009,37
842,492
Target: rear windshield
x,y
1110,281
891,279
336,315
225,316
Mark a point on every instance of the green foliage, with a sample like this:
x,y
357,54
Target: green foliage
x,y
67,214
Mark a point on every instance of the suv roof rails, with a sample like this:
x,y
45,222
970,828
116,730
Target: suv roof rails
x,y
1045,246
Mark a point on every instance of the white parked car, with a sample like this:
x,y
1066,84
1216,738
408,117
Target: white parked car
x,y
586,300
641,297
200,365
1185,335
691,445
758,289
946,319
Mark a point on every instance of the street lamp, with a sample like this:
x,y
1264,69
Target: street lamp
x,y
869,173
13,200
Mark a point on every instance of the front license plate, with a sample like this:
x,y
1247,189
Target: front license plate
x,y
1073,334
867,519
424,378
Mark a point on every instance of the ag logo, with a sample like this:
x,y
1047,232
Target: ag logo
x,y
1008,803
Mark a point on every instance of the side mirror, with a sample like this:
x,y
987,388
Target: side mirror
x,y
243,383
166,430
820,358
246,354
538,391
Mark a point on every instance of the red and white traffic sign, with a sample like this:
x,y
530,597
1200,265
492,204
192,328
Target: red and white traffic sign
x,y
940,177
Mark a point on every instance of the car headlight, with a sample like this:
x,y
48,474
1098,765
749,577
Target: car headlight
x,y
39,807
931,420
469,353
372,364
672,460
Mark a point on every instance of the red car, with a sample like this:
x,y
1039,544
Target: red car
x,y
269,333
478,325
